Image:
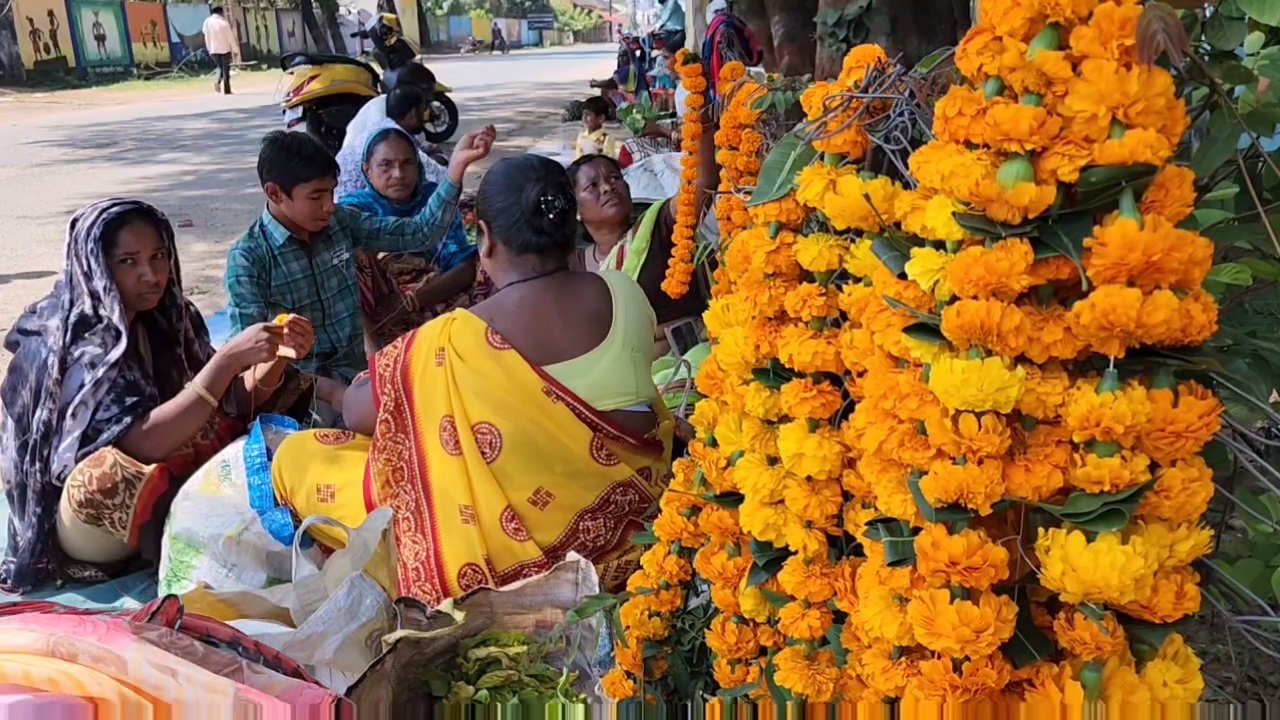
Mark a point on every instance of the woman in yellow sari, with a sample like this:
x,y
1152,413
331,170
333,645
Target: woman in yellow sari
x,y
508,434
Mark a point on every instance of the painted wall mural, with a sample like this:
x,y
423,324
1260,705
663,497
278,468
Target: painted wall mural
x,y
44,34
293,33
147,34
185,21
100,34
264,37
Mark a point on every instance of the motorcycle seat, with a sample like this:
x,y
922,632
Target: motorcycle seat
x,y
292,60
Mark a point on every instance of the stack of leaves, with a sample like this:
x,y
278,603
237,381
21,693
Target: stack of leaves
x,y
501,666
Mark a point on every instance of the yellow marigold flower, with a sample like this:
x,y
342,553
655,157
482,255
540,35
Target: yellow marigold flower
x,y
812,676
618,685
1178,430
724,312
976,485
1181,494
761,401
977,384
820,252
992,325
639,623
754,605
672,526
764,520
758,480
1096,474
1087,639
661,564
1116,416
960,115
807,351
963,627
1173,675
929,215
967,558
1110,319
882,614
799,620
1107,570
998,272
1050,685
858,204
861,262
1053,337
1038,472
1046,391
1169,545
785,211
858,60
815,183
981,677
1175,595
732,640
1016,128
817,454
889,481
809,301
928,269
730,673
816,502
803,398
1111,33
1171,195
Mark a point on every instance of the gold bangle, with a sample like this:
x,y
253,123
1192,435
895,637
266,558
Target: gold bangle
x,y
203,394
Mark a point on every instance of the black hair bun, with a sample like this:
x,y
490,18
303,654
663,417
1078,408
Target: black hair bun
x,y
549,209
529,205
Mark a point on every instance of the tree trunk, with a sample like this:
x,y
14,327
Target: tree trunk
x,y
329,13
792,28
11,70
916,28
313,27
695,24
753,13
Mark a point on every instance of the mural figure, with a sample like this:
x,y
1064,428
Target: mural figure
x,y
99,34
260,32
38,46
155,34
292,32
54,27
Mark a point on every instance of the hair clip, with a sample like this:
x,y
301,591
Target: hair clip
x,y
552,205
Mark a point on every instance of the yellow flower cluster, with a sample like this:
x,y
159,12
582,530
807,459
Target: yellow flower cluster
x,y
680,267
916,443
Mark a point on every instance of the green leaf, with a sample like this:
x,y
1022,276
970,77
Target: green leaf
x,y
925,332
983,226
1218,144
497,678
930,61
1224,191
1144,636
1247,571
590,606
1263,120
729,500
766,561
1225,33
1253,43
771,377
1230,273
775,599
1028,645
1204,217
778,173
920,316
1098,512
1066,235
437,681
1102,178
1233,72
644,538
1266,12
889,253
1275,585
949,513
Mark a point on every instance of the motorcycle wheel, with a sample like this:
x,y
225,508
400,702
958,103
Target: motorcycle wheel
x,y
327,120
443,121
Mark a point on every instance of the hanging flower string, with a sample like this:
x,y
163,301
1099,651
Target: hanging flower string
x,y
680,267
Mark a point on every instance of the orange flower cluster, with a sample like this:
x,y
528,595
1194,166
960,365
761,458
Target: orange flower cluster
x,y
680,267
739,146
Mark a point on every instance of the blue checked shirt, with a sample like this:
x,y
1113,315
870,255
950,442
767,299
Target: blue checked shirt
x,y
269,272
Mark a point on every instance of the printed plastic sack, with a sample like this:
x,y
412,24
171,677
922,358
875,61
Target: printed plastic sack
x,y
225,529
331,619
428,638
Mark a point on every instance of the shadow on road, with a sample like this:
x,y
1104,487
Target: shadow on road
x,y
6,278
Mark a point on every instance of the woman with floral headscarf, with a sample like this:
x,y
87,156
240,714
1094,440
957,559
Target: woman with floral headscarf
x,y
115,396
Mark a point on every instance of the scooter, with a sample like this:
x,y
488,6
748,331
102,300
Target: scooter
x,y
471,46
324,92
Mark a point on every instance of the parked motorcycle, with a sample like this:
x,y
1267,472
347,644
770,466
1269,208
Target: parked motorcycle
x,y
324,92
471,46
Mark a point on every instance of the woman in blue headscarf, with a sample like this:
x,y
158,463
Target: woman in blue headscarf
x,y
400,291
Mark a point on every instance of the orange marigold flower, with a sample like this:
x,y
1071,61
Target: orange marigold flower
x,y
968,435
961,628
803,398
1175,595
715,565
954,170
672,526
1171,195
859,59
1017,19
732,639
1095,474
1016,128
975,485
730,674
960,115
1138,146
799,620
979,52
1179,427
812,675
1021,202
807,579
992,325
980,677
618,685
1071,150
967,558
661,564
808,301
1000,271
1110,319
1181,494
820,252
807,351
785,211
845,135
816,503
1046,391
1052,336
1155,255
1086,638
1111,33
1039,471
1116,416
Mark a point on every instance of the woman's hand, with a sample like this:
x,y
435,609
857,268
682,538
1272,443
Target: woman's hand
x,y
255,345
299,338
330,391
472,148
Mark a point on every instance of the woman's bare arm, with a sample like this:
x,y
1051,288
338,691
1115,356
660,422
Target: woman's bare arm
x,y
162,431
358,411
454,281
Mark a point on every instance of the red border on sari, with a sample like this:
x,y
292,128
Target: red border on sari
x,y
594,419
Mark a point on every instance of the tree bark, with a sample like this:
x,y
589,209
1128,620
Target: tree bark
x,y
754,14
792,27
313,27
11,70
916,28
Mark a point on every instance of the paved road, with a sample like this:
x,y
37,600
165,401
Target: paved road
x,y
194,158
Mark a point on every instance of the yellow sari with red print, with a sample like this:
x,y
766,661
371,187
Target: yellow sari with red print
x,y
494,470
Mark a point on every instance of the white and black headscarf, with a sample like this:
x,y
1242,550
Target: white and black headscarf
x,y
75,385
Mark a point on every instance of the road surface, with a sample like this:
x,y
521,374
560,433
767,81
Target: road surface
x,y
192,154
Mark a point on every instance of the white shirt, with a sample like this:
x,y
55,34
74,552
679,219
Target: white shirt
x,y
219,38
373,114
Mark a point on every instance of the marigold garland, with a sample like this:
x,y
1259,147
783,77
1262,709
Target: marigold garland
x,y
680,267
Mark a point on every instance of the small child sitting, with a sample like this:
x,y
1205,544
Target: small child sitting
x,y
595,140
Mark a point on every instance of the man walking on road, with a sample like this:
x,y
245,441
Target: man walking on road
x,y
499,42
219,41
